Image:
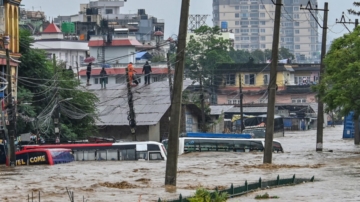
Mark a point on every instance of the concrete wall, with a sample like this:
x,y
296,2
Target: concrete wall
x,y
123,133
154,132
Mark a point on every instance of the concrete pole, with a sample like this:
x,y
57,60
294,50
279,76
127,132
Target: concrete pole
x,y
169,74
320,117
241,104
173,148
269,135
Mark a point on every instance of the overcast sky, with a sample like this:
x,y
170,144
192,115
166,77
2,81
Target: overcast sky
x,y
169,10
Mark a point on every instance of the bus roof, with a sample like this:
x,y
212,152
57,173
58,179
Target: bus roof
x,y
199,138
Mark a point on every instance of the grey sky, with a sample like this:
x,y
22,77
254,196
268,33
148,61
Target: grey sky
x,y
169,10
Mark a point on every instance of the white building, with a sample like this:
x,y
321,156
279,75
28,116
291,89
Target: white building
x,y
253,24
67,50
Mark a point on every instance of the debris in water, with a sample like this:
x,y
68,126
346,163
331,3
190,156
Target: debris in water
x,y
119,185
143,180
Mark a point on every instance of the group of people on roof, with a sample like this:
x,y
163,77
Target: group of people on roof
x,y
132,79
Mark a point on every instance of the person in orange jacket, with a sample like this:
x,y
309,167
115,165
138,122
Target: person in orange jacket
x,y
131,71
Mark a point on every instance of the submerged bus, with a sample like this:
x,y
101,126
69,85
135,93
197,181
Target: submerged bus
x,y
189,144
257,126
121,151
42,156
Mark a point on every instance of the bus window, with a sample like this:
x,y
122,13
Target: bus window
x,y
141,155
101,155
38,158
153,147
127,154
277,147
256,146
207,145
22,159
191,145
241,145
112,155
155,156
90,155
225,145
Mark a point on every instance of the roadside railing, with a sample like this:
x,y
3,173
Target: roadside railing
x,y
246,188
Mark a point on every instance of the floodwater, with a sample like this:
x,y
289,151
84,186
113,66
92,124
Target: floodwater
x,y
337,174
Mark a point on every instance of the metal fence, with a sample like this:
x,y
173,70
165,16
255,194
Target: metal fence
x,y
246,188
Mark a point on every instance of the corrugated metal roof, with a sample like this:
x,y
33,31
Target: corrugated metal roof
x,y
248,110
217,110
150,103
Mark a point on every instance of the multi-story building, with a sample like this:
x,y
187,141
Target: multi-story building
x,y
253,20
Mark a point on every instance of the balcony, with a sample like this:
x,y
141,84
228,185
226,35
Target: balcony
x,y
299,89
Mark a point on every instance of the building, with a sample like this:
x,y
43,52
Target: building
x,y
293,81
66,49
117,75
88,20
253,20
152,111
34,21
9,32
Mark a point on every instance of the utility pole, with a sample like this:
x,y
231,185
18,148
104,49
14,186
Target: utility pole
x,y
77,70
269,135
202,101
131,112
241,104
57,112
173,147
344,22
169,74
11,107
320,117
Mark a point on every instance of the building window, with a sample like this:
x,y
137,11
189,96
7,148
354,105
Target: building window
x,y
189,123
237,22
262,46
296,16
250,79
244,30
245,38
298,100
237,15
81,59
244,7
262,22
266,79
262,30
230,79
297,31
237,31
302,80
263,38
262,7
108,11
262,15
297,23
254,22
244,23
237,38
297,47
254,15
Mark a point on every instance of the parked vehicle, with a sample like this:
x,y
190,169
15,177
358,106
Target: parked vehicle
x,y
111,151
189,144
42,156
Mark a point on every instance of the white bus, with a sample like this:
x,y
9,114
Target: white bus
x,y
188,144
121,151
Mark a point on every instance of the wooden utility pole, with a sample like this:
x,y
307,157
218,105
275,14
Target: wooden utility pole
x,y
77,70
173,144
57,109
269,135
241,105
169,74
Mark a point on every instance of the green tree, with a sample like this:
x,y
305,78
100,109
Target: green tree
x,y
340,86
285,53
352,11
203,195
204,50
239,56
37,85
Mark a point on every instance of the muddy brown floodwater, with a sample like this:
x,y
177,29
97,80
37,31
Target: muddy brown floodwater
x,y
337,172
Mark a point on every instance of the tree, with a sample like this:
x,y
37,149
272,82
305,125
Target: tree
x,y
339,87
285,53
37,85
204,50
352,11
